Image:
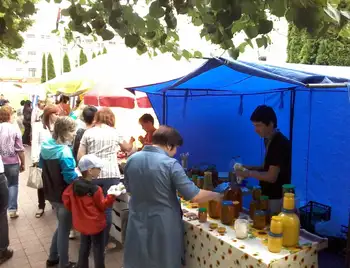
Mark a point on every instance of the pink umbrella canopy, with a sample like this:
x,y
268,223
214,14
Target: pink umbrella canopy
x,y
119,98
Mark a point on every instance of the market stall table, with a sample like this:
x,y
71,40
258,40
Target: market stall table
x,y
207,248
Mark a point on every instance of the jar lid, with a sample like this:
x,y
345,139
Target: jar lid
x,y
289,195
235,202
202,210
288,186
264,198
276,218
227,203
260,212
257,187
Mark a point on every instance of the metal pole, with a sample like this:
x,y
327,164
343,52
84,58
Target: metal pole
x,y
335,85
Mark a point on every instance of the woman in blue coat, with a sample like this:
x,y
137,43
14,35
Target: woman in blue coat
x,y
154,236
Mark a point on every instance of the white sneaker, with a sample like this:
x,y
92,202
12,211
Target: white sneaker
x,y
13,214
72,234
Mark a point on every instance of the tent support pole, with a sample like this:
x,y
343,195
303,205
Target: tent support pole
x,y
164,109
291,119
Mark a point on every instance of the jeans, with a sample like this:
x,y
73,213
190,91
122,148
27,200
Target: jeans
x,y
60,240
98,248
41,199
4,228
105,184
12,175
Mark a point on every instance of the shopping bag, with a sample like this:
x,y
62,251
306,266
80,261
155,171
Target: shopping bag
x,y
35,181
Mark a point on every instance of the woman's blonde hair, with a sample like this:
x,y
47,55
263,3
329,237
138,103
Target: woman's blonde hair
x,y
63,126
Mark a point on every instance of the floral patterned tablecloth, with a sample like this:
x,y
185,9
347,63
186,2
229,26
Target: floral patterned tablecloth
x,y
206,248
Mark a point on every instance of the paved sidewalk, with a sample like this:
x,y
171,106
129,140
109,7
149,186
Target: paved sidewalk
x,y
31,237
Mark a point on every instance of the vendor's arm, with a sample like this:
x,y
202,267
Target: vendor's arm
x,y
269,176
255,168
187,188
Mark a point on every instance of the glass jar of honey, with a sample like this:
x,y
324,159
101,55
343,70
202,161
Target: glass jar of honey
x,y
227,212
202,215
259,221
264,202
276,225
208,181
236,209
274,242
288,188
256,193
214,209
237,196
194,178
200,182
252,208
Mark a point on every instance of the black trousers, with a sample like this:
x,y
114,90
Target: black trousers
x,y
41,199
98,248
26,138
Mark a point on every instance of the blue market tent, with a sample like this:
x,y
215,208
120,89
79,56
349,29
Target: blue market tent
x,y
211,108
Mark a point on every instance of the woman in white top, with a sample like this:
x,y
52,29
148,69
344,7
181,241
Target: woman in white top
x,y
41,132
104,141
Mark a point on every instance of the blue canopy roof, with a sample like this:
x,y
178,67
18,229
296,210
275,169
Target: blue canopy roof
x,y
219,75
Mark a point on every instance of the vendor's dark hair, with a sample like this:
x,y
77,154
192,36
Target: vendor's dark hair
x,y
147,118
89,114
264,114
167,136
23,102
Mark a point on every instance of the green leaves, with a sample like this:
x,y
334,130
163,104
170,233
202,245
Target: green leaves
x,y
219,21
156,10
131,40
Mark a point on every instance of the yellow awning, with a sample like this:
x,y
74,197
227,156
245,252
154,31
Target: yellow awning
x,y
69,88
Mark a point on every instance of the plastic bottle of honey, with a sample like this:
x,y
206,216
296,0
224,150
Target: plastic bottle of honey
x,y
291,223
275,237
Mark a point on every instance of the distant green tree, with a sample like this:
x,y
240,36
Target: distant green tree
x,y
51,74
93,55
82,58
330,49
104,51
43,69
99,53
66,64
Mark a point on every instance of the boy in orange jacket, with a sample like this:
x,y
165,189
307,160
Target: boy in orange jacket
x,y
88,205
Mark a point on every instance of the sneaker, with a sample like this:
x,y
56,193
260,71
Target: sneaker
x,y
72,265
52,263
39,213
13,214
5,255
72,234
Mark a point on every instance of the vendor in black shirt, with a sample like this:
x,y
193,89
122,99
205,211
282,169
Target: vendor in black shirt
x,y
276,169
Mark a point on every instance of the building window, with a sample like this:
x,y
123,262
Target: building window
x,y
32,72
30,35
48,37
89,41
112,42
19,69
32,53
